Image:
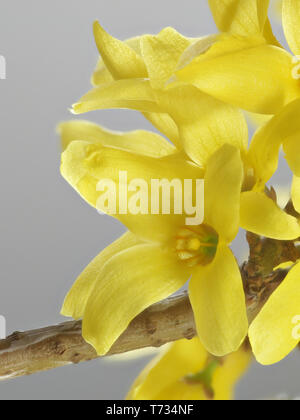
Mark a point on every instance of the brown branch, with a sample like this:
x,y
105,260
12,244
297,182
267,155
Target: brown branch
x,y
48,348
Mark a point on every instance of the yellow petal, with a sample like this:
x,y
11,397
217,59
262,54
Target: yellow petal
x,y
296,193
139,141
204,122
120,59
266,143
240,17
178,360
291,147
226,376
102,74
162,53
163,378
128,284
269,35
76,300
291,18
166,125
257,120
261,215
223,183
284,266
275,332
132,94
197,47
182,391
245,72
85,164
224,380
218,301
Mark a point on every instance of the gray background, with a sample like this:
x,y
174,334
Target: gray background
x,y
48,234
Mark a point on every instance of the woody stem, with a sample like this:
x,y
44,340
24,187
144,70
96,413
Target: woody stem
x,y
170,320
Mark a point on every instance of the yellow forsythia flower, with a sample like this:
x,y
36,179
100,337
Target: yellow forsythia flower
x,y
275,331
185,371
160,254
146,273
247,67
184,114
115,283
129,73
204,124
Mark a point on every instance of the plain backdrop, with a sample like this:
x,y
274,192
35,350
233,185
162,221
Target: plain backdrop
x,y
48,234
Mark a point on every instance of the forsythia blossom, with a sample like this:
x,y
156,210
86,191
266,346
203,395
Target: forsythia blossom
x,y
160,254
193,90
247,66
185,371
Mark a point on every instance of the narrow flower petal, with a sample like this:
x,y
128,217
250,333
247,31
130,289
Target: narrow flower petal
x,y
266,143
198,46
233,367
245,72
296,193
269,34
218,300
128,284
162,53
204,122
169,368
290,19
76,300
85,164
134,94
291,147
257,120
240,17
166,125
120,59
182,391
261,215
139,141
102,75
223,183
275,332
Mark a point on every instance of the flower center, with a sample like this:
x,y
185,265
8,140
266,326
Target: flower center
x,y
204,377
197,245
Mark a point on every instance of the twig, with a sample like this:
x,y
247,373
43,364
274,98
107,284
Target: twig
x,y
48,348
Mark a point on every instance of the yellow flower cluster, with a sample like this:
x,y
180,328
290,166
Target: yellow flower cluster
x,y
193,91
185,371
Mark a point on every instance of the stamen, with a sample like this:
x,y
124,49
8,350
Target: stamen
x,y
196,245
